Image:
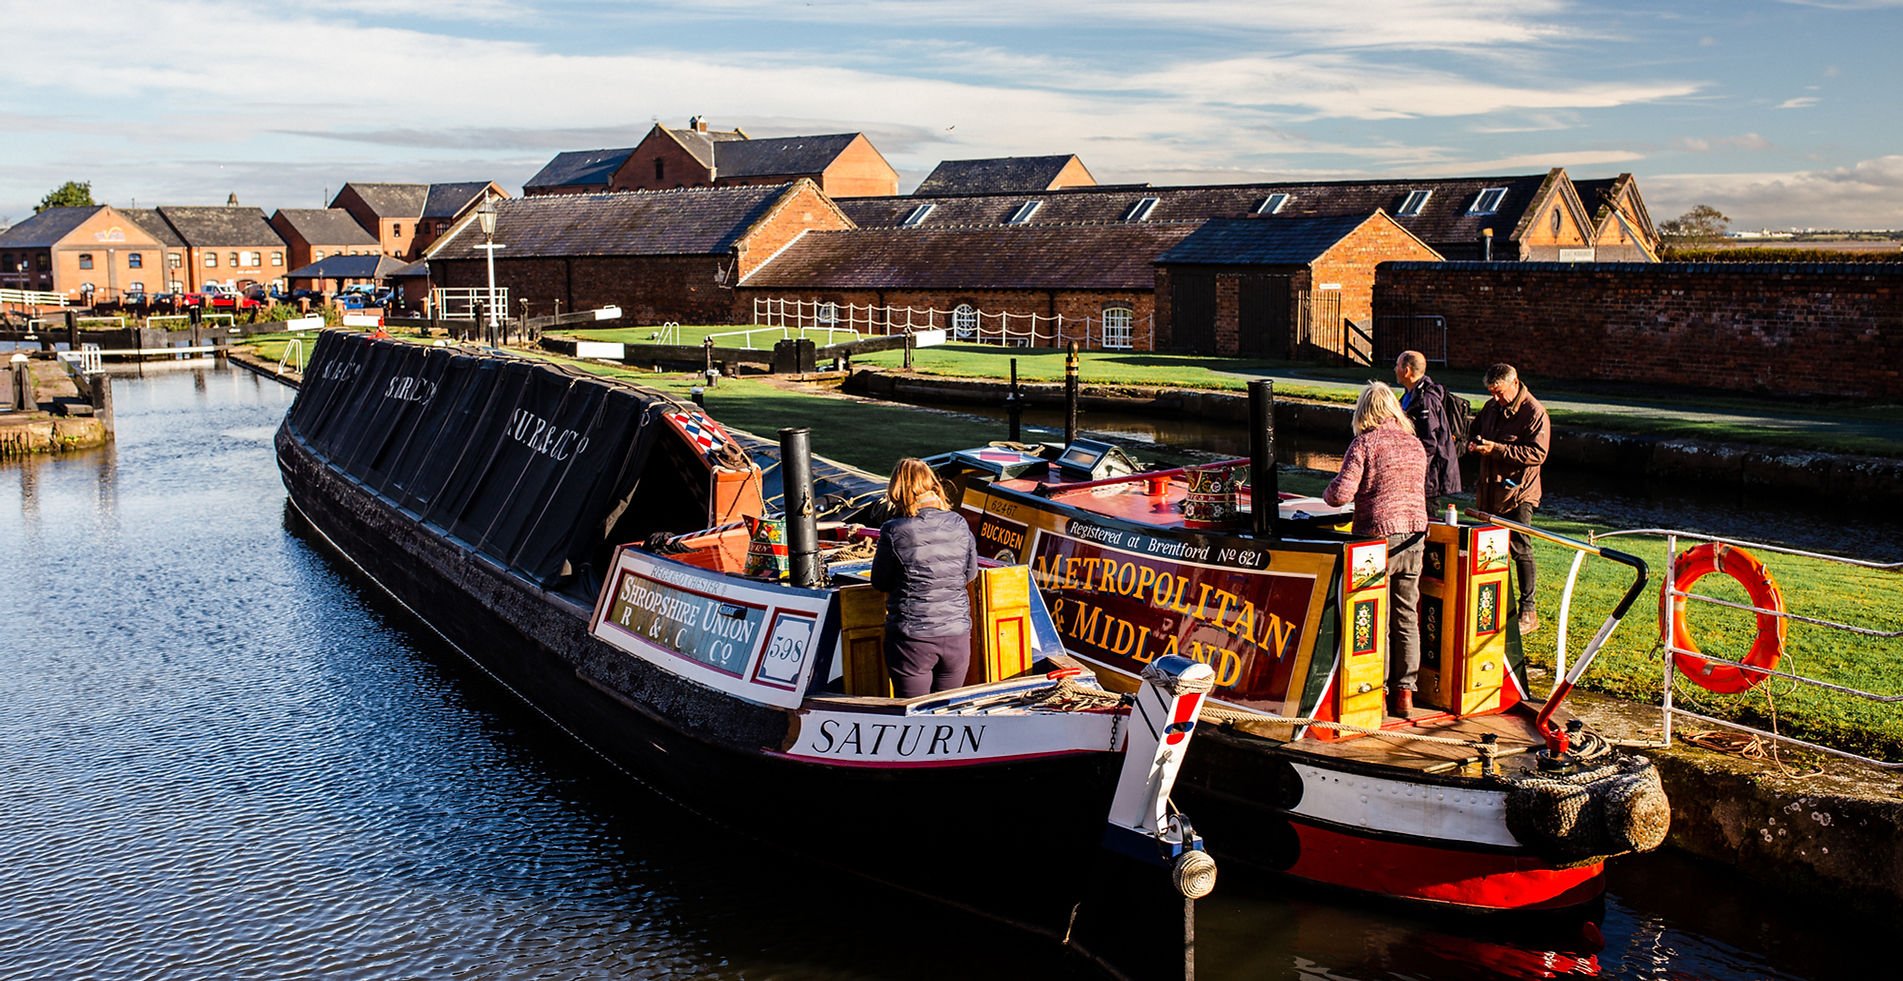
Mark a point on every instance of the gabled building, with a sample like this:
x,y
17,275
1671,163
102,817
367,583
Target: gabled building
x,y
659,255
1622,230
227,244
1033,286
315,234
1278,289
1006,175
174,273
406,218
839,164
91,254
1524,217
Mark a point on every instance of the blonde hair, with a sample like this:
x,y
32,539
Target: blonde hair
x,y
1377,405
912,487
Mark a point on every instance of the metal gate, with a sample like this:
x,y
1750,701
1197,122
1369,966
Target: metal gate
x,y
1320,334
1423,332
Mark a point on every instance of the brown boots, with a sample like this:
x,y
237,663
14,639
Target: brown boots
x,y
1529,619
1400,703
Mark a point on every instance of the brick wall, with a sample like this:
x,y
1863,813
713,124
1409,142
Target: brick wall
x,y
1782,328
648,289
1350,263
679,168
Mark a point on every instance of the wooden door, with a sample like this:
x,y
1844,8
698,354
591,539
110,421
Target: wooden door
x,y
1262,316
1193,311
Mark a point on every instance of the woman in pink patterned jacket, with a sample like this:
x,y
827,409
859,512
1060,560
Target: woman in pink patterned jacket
x,y
1383,472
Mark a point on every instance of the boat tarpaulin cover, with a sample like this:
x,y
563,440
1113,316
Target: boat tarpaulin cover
x,y
528,464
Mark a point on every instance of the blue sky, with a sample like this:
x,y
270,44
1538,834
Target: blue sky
x,y
1779,112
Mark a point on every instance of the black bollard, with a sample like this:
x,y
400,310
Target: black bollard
x,y
707,355
1070,394
1264,490
796,495
1014,404
72,331
908,350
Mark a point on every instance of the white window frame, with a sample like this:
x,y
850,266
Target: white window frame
x,y
1023,215
1272,204
1489,201
1412,205
1140,211
1119,328
917,217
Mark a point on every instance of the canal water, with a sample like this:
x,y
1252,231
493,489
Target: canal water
x,y
224,757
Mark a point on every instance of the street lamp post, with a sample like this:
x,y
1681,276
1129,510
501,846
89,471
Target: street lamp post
x,y
486,216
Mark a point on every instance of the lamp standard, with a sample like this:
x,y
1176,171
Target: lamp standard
x,y
486,216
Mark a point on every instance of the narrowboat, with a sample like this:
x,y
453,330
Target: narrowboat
x,y
604,552
1485,798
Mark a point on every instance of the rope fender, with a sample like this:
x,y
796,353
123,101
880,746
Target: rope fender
x,y
1585,816
1695,564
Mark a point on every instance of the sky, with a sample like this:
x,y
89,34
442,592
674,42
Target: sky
x,y
1780,113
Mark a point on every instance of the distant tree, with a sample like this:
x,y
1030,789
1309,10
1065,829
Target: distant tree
x,y
72,194
1703,223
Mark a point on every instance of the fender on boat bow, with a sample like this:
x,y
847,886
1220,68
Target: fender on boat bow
x,y
1142,824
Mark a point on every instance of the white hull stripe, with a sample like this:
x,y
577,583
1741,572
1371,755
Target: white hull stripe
x,y
1402,807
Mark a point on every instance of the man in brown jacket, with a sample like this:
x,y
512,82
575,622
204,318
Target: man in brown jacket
x,y
1511,435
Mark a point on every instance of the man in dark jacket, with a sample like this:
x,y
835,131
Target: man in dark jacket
x,y
1511,435
1426,406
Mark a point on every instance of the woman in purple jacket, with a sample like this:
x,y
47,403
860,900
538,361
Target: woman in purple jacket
x,y
1383,472
925,560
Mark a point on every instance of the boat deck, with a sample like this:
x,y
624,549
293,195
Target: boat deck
x,y
1514,729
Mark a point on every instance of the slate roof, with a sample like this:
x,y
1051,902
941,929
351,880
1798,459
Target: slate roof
x,y
684,221
154,225
44,230
1115,256
326,226
219,225
1595,194
1445,220
994,175
1252,242
449,200
392,200
581,168
348,267
788,155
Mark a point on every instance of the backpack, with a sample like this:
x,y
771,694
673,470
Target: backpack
x,y
1460,416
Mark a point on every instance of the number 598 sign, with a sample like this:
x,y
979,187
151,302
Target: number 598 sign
x,y
786,648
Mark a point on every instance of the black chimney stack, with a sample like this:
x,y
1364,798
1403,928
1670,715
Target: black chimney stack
x,y
796,494
1264,491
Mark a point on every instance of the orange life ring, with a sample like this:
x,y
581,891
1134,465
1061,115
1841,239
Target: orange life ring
x,y
1693,565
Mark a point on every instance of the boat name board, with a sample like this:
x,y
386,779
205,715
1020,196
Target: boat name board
x,y
745,640
878,739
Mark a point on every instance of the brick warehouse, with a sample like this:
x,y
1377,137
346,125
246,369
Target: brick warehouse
x,y
658,255
1278,289
1036,285
1779,328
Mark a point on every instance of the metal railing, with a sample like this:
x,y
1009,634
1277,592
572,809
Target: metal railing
x,y
85,361
1673,596
1556,741
1116,329
466,303
33,298
294,345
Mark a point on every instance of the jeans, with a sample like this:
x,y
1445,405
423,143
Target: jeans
x,y
1405,552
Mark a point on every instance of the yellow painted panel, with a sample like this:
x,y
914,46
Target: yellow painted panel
x,y
862,635
1002,614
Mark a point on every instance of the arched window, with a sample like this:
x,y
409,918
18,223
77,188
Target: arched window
x,y
1118,322
965,322
85,260
1556,221
828,314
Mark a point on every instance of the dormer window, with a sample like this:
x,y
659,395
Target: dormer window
x,y
1488,202
1024,213
1271,204
1140,211
1416,200
917,217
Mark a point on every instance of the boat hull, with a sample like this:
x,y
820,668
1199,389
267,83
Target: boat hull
x,y
955,834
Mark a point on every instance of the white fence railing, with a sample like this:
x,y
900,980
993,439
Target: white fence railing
x,y
33,298
466,303
1115,329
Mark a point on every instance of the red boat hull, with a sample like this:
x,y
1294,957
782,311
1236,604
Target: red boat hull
x,y
1447,876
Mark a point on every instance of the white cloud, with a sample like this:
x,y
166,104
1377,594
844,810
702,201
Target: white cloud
x,y
1801,102
1868,194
